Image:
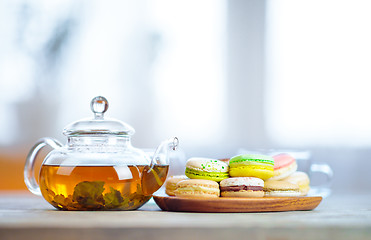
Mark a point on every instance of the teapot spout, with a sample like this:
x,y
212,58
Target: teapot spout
x,y
154,176
161,155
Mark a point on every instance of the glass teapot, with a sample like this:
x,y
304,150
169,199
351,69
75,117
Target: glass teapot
x,y
98,169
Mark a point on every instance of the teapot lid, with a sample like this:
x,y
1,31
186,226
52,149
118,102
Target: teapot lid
x,y
98,124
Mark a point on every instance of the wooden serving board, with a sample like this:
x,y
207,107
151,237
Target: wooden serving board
x,y
229,205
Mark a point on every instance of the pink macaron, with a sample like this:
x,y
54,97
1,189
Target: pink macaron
x,y
284,166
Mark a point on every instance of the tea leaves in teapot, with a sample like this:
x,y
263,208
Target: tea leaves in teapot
x,y
113,199
89,194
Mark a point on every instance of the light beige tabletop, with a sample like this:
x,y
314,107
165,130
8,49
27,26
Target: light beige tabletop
x,y
24,216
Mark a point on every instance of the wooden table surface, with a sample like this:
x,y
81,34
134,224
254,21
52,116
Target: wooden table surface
x,y
24,216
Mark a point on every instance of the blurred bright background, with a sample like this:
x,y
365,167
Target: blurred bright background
x,y
221,75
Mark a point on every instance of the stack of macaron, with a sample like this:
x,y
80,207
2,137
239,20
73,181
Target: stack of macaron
x,y
287,176
247,175
204,175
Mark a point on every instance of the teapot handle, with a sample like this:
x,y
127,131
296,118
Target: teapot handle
x,y
29,174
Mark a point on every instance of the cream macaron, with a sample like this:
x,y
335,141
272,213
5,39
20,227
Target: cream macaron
x,y
197,188
273,188
242,187
170,184
301,179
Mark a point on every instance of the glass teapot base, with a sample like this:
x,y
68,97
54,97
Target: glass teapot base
x,y
100,187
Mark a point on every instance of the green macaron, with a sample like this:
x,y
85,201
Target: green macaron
x,y
206,168
251,165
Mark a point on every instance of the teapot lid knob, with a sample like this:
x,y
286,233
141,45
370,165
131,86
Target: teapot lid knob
x,y
99,106
98,124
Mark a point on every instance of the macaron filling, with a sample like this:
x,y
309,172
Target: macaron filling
x,y
241,188
191,173
250,162
197,188
263,172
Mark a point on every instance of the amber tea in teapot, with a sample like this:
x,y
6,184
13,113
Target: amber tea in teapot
x,y
98,168
100,187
